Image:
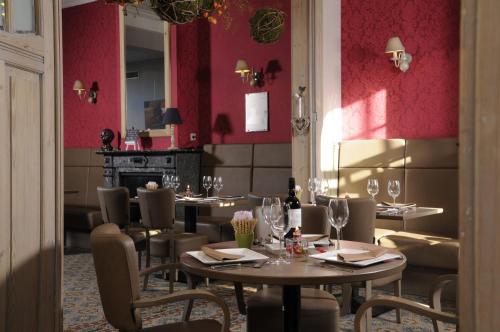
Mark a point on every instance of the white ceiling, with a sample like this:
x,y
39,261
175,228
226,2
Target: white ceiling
x,y
71,3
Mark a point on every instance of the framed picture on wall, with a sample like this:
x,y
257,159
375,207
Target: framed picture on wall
x,y
256,112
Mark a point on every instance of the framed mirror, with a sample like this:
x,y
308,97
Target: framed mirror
x,y
145,71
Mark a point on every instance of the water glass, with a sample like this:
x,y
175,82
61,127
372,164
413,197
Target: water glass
x,y
266,213
393,189
217,184
165,180
338,215
372,187
280,228
207,183
325,186
312,186
175,182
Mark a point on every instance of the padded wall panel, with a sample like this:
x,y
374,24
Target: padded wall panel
x,y
236,180
270,181
432,153
353,181
95,179
272,155
238,155
77,157
75,178
372,153
434,188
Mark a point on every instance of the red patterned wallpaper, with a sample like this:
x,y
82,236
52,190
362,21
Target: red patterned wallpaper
x,y
86,29
380,101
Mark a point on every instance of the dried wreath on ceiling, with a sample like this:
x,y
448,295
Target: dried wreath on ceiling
x,y
177,11
267,25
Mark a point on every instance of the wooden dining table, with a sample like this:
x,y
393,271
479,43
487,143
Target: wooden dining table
x,y
301,272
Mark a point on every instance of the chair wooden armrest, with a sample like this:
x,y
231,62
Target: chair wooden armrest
x,y
187,295
161,267
401,303
435,294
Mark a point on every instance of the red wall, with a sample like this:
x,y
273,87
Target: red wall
x,y
380,101
91,53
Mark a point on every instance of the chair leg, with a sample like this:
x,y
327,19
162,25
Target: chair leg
x,y
240,299
145,283
139,258
397,292
188,306
346,299
163,260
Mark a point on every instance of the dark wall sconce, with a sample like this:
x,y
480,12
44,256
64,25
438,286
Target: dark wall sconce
x,y
81,91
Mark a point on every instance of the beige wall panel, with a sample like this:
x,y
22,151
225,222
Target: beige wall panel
x,y
25,111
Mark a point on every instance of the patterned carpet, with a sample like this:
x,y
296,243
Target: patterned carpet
x,y
83,311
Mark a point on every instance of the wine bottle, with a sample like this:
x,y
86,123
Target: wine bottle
x,y
293,215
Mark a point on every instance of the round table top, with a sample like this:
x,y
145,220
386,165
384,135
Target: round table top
x,y
302,270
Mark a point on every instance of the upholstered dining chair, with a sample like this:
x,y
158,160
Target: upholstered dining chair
x,y
115,208
361,228
434,312
118,281
158,213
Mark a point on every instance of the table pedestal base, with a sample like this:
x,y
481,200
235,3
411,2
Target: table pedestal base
x,y
291,308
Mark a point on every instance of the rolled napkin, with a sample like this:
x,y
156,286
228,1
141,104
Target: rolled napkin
x,y
220,256
151,185
369,254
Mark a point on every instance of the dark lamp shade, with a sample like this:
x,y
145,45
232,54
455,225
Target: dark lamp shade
x,y
171,116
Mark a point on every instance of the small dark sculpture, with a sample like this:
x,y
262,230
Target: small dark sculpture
x,y
107,137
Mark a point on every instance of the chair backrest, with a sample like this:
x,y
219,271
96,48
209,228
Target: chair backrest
x,y
115,205
115,262
315,219
157,207
362,215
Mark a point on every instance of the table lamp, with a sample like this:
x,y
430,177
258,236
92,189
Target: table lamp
x,y
172,117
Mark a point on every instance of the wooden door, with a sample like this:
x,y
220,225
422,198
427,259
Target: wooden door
x,y
30,168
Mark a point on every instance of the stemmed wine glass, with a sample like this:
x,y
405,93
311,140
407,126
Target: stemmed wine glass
x,y
175,182
217,184
280,227
325,186
312,186
338,215
372,187
207,183
393,189
165,180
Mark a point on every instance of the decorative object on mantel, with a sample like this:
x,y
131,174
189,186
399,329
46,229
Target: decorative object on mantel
x,y
172,118
107,137
267,25
301,121
81,91
400,58
132,139
253,77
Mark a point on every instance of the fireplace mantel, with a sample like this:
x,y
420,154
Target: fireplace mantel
x,y
122,166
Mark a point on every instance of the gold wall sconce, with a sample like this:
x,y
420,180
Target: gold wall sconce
x,y
400,58
81,91
254,78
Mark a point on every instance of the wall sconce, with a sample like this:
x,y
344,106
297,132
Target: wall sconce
x,y
300,120
81,91
253,77
399,56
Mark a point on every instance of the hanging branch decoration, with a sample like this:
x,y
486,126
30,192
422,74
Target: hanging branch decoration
x,y
211,9
177,11
267,25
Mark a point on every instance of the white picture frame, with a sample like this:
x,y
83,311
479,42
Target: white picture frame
x,y
256,112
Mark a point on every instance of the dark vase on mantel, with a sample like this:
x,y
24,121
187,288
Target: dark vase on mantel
x,y
107,137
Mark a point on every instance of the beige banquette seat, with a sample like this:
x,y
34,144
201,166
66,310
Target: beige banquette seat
x,y
82,175
428,173
245,168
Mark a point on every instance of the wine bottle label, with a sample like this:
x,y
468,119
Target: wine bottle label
x,y
295,218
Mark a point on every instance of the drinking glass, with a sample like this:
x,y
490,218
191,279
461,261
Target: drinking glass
x,y
266,213
176,182
280,228
313,188
207,183
217,184
393,189
338,215
165,180
324,186
372,187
